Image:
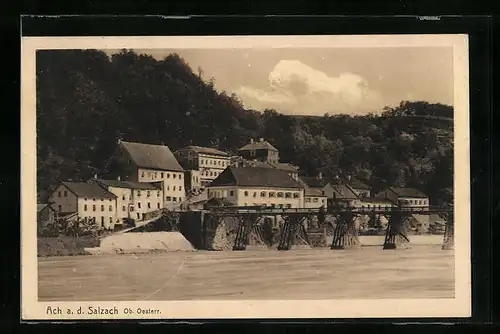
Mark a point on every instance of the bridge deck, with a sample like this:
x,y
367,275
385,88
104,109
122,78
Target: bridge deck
x,y
302,211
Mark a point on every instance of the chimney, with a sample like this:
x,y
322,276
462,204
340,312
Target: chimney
x,y
251,140
118,178
261,140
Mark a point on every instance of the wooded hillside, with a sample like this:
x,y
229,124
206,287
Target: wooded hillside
x,y
87,100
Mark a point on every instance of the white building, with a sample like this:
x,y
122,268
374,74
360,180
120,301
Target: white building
x,y
314,198
134,199
210,162
405,197
254,186
85,201
150,163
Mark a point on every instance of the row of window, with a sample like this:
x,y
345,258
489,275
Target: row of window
x,y
174,188
416,201
94,208
211,162
210,173
314,200
162,175
172,199
272,194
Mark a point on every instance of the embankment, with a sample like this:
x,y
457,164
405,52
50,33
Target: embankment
x,y
65,246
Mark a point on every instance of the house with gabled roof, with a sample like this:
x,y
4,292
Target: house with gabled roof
x,y
83,200
260,150
255,186
405,197
140,162
134,200
209,162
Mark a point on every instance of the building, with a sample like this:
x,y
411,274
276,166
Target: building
x,y
85,200
341,195
134,199
314,198
210,162
405,197
359,187
410,198
140,162
376,203
254,186
261,151
45,213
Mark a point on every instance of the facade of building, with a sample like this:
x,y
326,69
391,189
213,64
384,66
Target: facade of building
x,y
293,171
314,198
87,201
150,163
210,162
192,181
341,195
134,199
405,197
254,186
260,150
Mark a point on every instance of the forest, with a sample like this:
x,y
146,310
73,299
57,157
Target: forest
x,y
87,100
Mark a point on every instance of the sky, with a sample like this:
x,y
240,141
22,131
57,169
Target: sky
x,y
315,81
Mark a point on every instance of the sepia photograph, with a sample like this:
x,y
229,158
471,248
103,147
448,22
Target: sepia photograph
x,y
252,176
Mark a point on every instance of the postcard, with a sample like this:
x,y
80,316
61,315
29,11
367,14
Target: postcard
x,y
233,177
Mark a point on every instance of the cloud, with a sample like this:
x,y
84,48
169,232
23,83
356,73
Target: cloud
x,y
296,88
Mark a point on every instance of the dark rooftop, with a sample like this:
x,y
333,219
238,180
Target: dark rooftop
x,y
128,184
84,189
255,177
408,192
152,156
206,150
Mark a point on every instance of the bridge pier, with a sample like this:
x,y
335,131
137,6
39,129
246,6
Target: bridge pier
x,y
395,236
345,233
449,234
249,233
293,233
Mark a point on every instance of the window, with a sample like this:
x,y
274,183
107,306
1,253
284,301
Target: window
x,y
308,200
102,199
85,198
254,194
180,187
262,194
161,175
180,199
148,193
231,193
280,194
65,193
93,207
123,208
102,207
288,206
323,201
168,175
139,205
168,198
180,176
174,175
156,175
60,208
174,199
123,197
142,174
138,193
288,195
58,194
201,162
158,193
85,207
149,205
174,188
93,199
245,193
102,221
110,208
110,220
168,187
158,205
295,195
129,197
272,194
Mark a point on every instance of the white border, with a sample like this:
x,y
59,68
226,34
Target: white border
x,y
460,306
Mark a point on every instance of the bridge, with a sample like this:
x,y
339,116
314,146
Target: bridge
x,y
345,233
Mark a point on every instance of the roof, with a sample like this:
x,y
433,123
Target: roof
x,y
408,192
255,163
152,156
254,177
344,191
84,189
284,166
40,207
205,150
258,145
128,184
353,182
313,182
